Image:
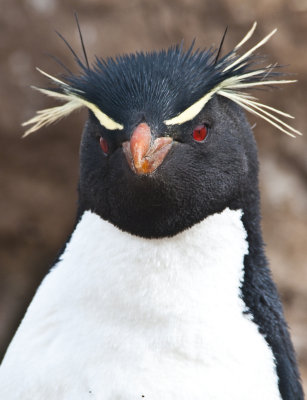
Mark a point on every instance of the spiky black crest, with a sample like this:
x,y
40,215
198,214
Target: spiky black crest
x,y
169,85
219,50
161,83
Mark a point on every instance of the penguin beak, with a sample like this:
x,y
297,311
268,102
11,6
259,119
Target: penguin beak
x,y
144,155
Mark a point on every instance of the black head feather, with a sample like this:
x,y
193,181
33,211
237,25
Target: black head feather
x,y
162,83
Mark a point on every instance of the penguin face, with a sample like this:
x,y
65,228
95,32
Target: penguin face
x,y
203,170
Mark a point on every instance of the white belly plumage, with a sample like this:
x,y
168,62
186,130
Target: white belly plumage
x,y
126,318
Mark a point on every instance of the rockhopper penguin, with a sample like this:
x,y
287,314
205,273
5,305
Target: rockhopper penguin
x,y
163,291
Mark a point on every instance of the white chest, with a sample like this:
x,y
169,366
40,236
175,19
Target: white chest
x,y
125,318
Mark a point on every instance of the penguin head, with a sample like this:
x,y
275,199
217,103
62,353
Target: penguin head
x,y
166,143
155,180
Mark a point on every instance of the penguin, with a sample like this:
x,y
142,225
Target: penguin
x,y
163,290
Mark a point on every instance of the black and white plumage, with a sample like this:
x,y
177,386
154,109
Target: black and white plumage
x,y
163,290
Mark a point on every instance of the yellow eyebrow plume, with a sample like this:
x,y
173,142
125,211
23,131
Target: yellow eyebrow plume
x,y
231,88
73,101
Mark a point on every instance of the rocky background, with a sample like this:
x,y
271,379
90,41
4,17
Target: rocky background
x,y
38,175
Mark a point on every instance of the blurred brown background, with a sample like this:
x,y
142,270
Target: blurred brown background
x,y
38,175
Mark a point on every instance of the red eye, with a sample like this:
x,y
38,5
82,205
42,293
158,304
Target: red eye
x,y
200,133
104,145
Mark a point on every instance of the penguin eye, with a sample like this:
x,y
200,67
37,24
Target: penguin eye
x,y
104,145
200,133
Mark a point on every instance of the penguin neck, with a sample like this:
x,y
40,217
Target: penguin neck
x,y
249,203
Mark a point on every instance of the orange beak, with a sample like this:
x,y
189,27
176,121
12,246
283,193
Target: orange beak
x,y
143,154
